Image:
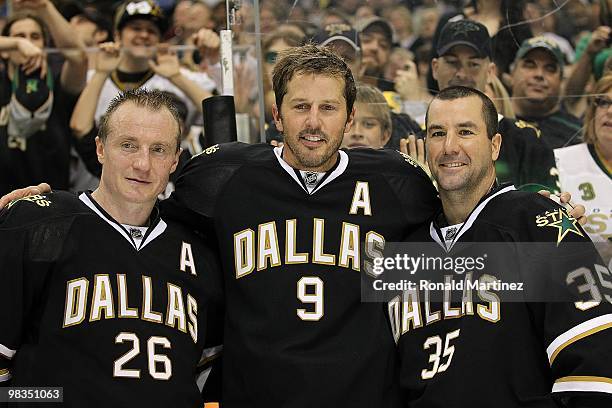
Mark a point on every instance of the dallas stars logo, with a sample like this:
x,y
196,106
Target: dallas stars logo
x,y
560,220
464,27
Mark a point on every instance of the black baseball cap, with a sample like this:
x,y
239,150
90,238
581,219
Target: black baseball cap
x,y
143,9
337,32
90,12
465,32
369,22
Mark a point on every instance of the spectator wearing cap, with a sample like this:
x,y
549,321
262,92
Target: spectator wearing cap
x,y
505,21
35,103
536,89
465,50
144,62
133,62
377,39
344,40
92,26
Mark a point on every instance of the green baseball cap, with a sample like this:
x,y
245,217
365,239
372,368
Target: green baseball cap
x,y
543,43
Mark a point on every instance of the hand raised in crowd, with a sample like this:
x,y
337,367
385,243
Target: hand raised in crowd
x,y
31,57
245,80
108,58
415,148
599,40
407,82
209,44
166,62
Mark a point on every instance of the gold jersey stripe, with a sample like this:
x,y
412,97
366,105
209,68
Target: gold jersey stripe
x,y
578,337
584,378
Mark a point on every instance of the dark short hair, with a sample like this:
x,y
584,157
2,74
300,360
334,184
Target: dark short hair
x,y
153,100
311,59
489,113
23,15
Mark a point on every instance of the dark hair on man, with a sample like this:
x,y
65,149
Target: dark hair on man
x,y
311,59
489,113
22,15
153,100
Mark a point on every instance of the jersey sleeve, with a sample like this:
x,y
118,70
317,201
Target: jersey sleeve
x,y
17,287
12,307
576,326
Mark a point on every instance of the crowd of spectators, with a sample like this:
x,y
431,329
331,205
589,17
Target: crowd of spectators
x,y
539,60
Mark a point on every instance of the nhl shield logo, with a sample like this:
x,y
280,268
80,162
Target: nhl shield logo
x,y
310,178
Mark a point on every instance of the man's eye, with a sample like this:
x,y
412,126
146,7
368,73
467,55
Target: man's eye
x,y
127,145
465,132
438,134
551,68
474,65
301,106
159,149
328,107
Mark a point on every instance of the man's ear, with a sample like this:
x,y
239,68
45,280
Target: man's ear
x,y
349,120
100,150
434,68
491,71
385,137
277,118
496,142
177,156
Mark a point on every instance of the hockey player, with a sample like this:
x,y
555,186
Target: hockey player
x,y
98,293
482,351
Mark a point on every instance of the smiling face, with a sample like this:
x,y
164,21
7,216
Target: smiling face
x,y
313,120
459,153
138,154
536,83
138,36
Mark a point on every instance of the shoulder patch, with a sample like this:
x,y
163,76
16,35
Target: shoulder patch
x,y
38,199
559,219
522,125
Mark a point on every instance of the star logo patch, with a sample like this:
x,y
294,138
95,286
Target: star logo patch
x,y
562,221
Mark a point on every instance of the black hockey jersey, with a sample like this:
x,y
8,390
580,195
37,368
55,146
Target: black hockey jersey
x,y
296,331
483,352
116,317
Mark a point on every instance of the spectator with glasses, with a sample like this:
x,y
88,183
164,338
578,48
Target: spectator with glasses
x,y
277,41
585,169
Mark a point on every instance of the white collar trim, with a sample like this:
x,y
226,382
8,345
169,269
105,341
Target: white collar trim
x,y
157,230
468,223
344,159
